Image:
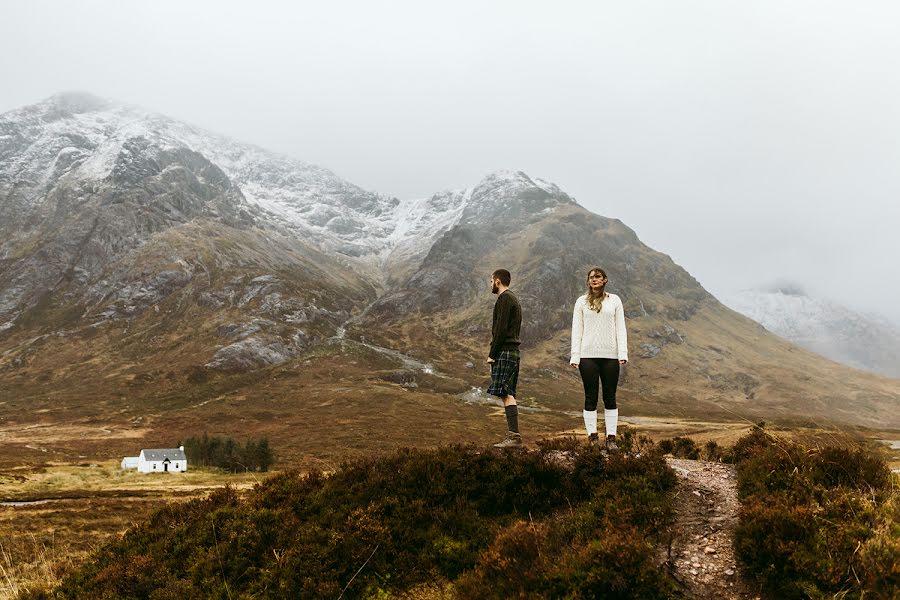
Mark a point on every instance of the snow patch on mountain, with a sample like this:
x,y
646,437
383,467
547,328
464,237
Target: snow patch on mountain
x,y
835,331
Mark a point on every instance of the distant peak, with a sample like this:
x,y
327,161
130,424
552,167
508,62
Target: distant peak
x,y
505,176
60,106
506,179
75,102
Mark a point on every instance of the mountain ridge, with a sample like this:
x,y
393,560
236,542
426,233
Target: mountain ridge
x,y
169,293
298,196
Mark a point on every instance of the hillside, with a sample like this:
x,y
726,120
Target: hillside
x,y
157,281
690,355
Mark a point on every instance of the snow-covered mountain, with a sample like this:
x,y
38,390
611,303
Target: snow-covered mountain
x,y
65,152
101,205
79,139
835,331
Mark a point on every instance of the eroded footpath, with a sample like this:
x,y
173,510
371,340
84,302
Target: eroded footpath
x,y
701,555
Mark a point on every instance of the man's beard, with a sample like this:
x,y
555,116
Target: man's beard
x,y
494,289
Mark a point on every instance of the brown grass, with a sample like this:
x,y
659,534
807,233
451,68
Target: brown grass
x,y
41,542
74,509
32,564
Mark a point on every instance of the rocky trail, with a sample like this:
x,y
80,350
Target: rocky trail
x,y
701,553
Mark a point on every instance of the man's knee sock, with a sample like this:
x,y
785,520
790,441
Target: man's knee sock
x,y
612,420
512,418
590,421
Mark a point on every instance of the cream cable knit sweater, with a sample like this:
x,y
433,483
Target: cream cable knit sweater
x,y
599,335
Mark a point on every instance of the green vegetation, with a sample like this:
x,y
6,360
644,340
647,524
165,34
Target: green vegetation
x,y
685,447
554,522
205,451
817,522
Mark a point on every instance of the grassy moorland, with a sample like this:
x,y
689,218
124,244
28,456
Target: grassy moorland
x,y
54,515
819,519
455,521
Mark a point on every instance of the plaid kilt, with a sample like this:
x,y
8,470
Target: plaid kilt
x,y
505,374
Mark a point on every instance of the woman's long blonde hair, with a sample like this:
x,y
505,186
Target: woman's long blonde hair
x,y
595,299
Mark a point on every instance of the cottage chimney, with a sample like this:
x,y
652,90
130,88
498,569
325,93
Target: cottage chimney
x,y
181,448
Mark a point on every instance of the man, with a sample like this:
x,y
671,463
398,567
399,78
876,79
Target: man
x,y
504,354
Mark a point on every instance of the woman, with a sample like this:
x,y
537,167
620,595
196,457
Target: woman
x,y
599,347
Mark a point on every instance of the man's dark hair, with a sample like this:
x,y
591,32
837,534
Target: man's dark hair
x,y
503,275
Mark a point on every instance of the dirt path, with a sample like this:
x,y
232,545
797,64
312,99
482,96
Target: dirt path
x,y
701,556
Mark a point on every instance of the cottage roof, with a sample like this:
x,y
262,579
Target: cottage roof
x,y
155,454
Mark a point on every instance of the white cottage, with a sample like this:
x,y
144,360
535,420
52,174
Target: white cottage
x,y
158,460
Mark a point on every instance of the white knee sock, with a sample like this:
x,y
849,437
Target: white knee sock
x,y
590,421
612,420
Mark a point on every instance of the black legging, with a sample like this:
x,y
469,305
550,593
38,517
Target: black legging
x,y
595,371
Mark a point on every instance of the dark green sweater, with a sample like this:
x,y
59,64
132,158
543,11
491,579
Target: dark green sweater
x,y
507,324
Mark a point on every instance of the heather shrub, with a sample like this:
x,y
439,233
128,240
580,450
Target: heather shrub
x,y
603,548
750,445
816,522
880,555
712,452
685,447
615,566
849,467
666,446
510,566
779,469
773,537
680,447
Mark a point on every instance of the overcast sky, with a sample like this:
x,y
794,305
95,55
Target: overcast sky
x,y
750,141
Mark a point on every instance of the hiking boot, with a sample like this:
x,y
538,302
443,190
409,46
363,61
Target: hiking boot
x,y
512,440
593,440
611,444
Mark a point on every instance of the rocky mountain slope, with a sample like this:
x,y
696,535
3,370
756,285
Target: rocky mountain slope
x,y
83,145
157,280
824,327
